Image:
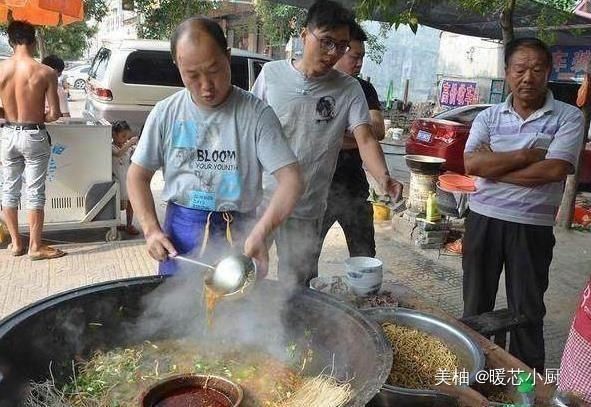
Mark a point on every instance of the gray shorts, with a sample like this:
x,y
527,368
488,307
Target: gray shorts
x,y
24,153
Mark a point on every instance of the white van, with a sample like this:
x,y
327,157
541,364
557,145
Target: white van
x,y
127,78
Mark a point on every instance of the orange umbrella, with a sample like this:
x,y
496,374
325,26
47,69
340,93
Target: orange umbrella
x,y
43,12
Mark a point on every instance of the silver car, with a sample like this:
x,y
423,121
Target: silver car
x,y
127,78
76,77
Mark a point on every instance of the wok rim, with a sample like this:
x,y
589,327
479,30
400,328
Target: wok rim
x,y
377,313
10,321
363,395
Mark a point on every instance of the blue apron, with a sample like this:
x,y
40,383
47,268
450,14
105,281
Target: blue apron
x,y
203,235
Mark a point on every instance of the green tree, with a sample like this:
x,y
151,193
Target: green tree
x,y
157,20
278,22
375,48
396,12
69,42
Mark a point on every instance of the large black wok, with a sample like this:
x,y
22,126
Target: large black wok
x,y
74,324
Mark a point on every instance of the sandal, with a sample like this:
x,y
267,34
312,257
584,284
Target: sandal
x,y
453,248
16,253
47,253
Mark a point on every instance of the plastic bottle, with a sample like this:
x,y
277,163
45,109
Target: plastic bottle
x,y
566,399
526,389
432,211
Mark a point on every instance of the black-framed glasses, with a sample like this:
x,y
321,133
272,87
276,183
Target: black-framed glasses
x,y
329,45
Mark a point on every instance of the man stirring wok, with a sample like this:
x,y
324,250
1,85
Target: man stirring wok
x,y
212,141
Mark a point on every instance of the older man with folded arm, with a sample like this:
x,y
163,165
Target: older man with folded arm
x,y
522,151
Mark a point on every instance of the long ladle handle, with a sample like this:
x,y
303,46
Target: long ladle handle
x,y
195,262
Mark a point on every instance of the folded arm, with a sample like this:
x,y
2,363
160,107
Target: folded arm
x,y
540,173
480,160
489,164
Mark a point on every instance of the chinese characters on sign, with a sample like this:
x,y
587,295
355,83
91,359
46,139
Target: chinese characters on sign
x,y
569,63
496,377
458,93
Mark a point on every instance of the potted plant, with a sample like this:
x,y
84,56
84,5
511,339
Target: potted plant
x,y
381,208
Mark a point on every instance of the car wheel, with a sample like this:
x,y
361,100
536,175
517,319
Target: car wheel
x,y
80,84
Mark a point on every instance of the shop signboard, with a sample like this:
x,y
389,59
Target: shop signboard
x,y
569,63
458,93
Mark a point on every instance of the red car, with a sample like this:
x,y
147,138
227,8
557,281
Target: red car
x,y
445,134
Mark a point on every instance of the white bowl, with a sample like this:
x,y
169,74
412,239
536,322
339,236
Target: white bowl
x,y
363,279
364,264
364,291
364,271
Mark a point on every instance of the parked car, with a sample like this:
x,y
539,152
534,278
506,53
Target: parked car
x,y
76,77
445,135
127,78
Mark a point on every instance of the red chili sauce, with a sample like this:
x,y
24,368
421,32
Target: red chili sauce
x,y
195,397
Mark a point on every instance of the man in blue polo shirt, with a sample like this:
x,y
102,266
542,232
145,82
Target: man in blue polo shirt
x,y
521,150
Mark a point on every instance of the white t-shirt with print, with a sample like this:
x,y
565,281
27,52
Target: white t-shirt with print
x,y
213,158
315,113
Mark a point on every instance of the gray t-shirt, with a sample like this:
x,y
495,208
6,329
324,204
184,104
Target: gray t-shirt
x,y
314,114
213,158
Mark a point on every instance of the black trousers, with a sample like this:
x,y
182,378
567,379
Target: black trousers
x,y
525,252
348,205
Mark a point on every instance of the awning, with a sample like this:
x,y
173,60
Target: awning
x,y
446,15
43,12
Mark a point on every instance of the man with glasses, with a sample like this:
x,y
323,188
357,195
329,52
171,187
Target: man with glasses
x,y
349,189
316,104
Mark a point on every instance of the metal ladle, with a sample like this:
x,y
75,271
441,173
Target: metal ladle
x,y
231,277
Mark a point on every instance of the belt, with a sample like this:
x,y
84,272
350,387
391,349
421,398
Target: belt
x,y
24,126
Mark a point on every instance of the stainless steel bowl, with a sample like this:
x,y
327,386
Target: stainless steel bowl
x,y
424,164
468,351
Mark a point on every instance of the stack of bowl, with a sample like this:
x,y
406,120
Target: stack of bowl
x,y
364,275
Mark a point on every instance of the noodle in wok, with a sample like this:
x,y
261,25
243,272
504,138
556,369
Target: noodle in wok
x,y
418,357
117,377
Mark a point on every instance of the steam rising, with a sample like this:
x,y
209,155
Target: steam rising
x,y
176,309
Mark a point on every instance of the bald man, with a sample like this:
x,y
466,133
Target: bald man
x,y
212,141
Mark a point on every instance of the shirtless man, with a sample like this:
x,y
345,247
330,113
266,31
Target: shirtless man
x,y
25,143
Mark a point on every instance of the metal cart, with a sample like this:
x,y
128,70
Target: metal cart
x,y
81,192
